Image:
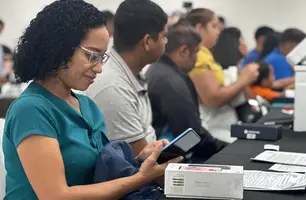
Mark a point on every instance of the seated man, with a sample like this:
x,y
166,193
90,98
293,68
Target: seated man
x,y
6,58
120,91
260,36
173,97
283,72
222,22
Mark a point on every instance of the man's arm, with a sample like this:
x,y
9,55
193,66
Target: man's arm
x,y
119,108
283,83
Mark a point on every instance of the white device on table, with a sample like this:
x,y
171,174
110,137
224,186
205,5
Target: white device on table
x,y
202,181
297,58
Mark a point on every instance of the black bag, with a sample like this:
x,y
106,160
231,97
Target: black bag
x,y
248,113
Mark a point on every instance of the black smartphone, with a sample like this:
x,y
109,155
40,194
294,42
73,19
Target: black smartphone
x,y
179,146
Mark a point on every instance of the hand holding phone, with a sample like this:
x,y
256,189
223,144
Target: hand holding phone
x,y
180,146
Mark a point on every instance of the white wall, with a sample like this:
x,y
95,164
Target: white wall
x,y
245,14
17,15
249,14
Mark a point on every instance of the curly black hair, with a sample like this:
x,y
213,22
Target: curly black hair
x,y
51,38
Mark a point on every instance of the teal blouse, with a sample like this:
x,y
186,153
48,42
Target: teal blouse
x,y
37,111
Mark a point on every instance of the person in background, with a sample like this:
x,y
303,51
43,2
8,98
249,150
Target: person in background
x,y
1,52
188,5
140,36
222,23
254,54
52,137
271,42
174,18
208,76
109,26
174,100
264,83
7,60
283,72
1,26
229,51
230,48
109,22
10,87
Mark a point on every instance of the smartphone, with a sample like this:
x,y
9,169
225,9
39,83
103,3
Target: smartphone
x,y
179,146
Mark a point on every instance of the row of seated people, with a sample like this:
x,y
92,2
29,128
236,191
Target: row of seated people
x,y
273,47
53,137
207,86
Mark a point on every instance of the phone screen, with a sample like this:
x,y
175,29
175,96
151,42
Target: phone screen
x,y
179,146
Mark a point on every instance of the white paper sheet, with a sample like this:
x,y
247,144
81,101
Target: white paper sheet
x,y
260,180
288,168
281,157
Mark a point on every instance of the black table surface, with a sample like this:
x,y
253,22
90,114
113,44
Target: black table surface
x,y
241,152
275,114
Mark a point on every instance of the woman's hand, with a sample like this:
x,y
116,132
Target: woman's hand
x,y
3,80
147,151
249,73
150,170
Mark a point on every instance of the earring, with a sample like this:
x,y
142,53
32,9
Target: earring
x,y
65,67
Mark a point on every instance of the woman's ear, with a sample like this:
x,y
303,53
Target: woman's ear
x,y
198,27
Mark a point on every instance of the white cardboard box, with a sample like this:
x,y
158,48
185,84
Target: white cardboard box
x,y
204,181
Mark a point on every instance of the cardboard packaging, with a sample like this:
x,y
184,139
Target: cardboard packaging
x,y
256,131
203,181
300,98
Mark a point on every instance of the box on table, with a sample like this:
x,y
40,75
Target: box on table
x,y
256,131
204,181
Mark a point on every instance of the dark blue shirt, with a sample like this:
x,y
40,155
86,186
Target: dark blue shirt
x,y
253,56
281,67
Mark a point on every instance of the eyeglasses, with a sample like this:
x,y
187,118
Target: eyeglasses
x,y
95,58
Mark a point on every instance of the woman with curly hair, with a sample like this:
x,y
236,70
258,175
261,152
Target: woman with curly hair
x,y
52,136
